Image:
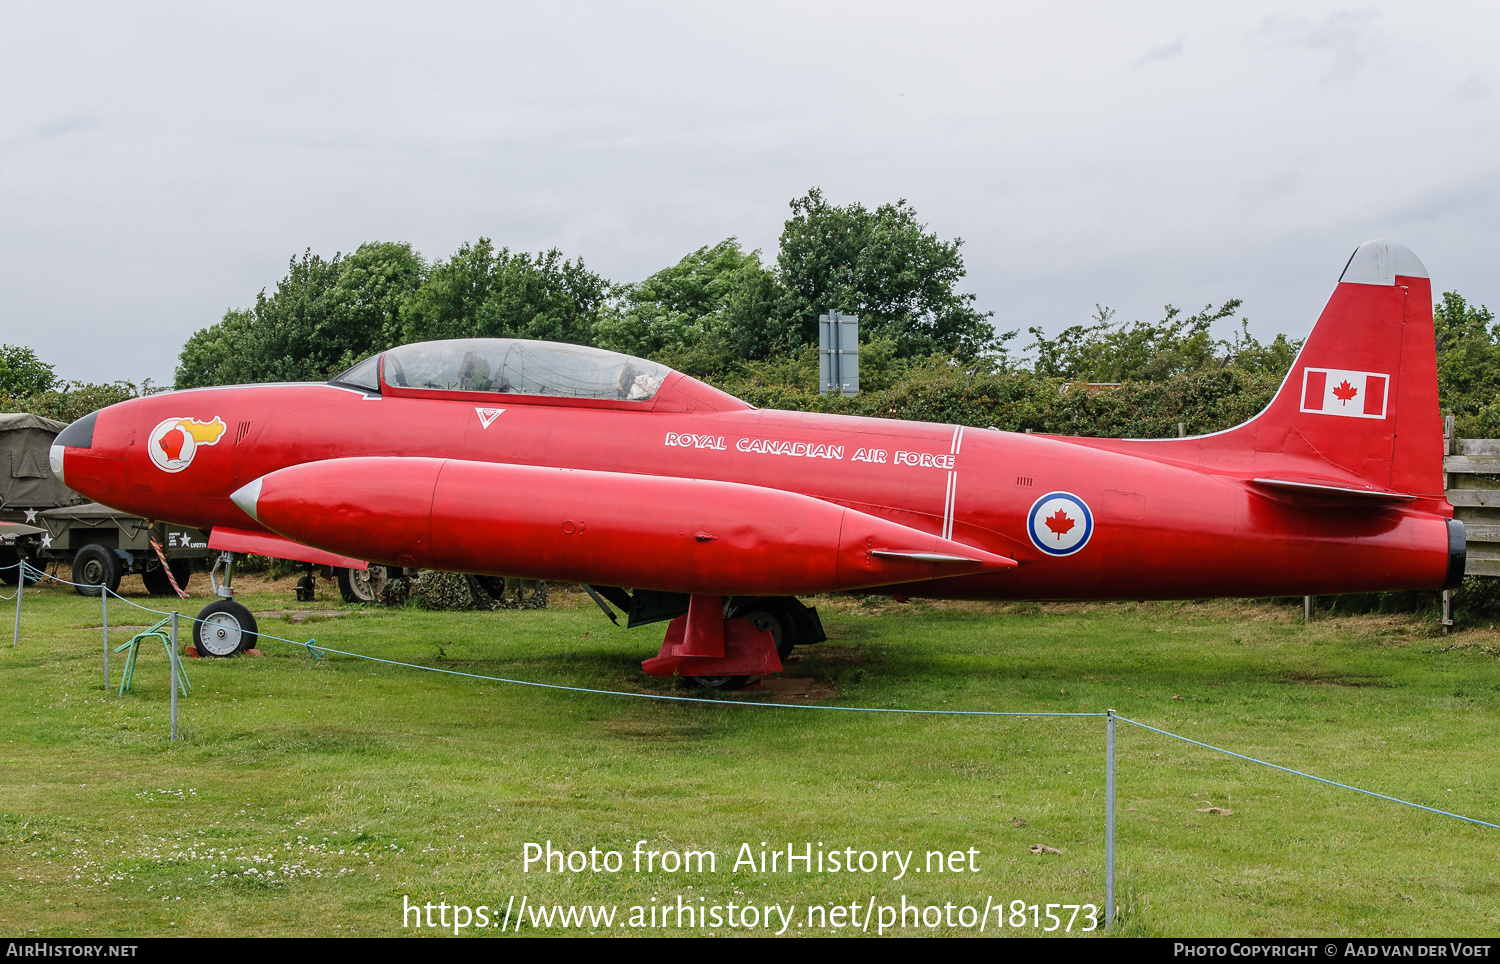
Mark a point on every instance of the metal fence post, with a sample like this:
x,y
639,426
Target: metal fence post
x,y
174,676
104,621
1109,818
20,586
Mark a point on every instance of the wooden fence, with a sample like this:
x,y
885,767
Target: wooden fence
x,y
1472,467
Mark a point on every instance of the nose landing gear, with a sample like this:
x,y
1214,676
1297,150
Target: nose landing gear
x,y
224,627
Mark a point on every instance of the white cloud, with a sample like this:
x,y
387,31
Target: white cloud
x,y
164,162
1165,51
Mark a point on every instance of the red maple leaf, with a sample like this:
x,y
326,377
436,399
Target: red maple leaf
x,y
1345,391
1059,523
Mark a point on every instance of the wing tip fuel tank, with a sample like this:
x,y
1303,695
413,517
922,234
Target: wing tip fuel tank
x,y
247,497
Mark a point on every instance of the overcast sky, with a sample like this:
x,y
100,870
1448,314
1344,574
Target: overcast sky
x,y
161,163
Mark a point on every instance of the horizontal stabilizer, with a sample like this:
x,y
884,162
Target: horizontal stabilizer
x,y
1332,490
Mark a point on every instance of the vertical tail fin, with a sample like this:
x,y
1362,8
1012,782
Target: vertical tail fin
x,y
1362,394
1360,404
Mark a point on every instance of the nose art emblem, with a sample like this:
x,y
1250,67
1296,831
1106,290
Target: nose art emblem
x,y
175,441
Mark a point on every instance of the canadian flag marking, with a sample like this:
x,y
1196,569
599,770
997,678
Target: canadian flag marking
x,y
1334,391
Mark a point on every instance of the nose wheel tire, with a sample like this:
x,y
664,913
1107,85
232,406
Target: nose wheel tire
x,y
224,628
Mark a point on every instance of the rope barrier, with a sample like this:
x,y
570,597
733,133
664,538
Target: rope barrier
x,y
1343,786
662,697
19,579
309,645
162,556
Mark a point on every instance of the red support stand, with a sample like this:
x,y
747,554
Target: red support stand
x,y
704,643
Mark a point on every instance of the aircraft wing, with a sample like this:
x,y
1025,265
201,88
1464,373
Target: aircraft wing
x,y
601,528
278,547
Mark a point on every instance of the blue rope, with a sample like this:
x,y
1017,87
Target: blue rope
x,y
20,578
308,645
1343,786
683,699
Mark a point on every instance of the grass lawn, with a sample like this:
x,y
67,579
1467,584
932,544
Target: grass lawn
x,y
322,797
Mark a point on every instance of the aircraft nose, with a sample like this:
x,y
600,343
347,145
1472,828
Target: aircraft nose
x,y
79,435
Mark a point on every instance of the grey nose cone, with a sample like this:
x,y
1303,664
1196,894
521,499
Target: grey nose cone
x,y
55,456
1379,262
247,497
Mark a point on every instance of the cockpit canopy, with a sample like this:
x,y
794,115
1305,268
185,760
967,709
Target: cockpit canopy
x,y
510,366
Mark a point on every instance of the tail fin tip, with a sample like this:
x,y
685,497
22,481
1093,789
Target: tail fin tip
x,y
1379,262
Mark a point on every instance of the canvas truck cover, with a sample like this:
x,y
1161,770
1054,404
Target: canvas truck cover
x,y
26,479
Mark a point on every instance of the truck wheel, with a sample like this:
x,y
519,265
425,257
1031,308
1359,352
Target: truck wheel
x,y
10,573
93,567
156,580
361,585
224,628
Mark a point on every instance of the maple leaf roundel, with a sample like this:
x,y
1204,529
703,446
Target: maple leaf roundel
x,y
1059,523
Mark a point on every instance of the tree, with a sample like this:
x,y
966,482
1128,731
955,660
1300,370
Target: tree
x,y
1140,351
322,317
484,293
70,401
1468,353
1468,359
22,373
216,355
711,309
883,265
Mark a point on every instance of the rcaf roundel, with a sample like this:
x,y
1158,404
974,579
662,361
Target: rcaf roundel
x,y
1059,523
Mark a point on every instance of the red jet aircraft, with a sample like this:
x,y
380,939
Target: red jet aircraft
x,y
674,500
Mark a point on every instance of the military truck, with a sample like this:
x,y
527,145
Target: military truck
x,y
103,545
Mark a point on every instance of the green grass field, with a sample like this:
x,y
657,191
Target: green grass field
x,y
318,797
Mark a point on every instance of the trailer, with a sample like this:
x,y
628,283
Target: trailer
x,y
102,544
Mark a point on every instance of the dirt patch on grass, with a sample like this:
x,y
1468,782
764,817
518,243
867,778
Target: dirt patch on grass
x,y
1331,679
796,689
301,615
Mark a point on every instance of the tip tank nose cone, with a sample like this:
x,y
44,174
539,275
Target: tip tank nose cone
x,y
247,497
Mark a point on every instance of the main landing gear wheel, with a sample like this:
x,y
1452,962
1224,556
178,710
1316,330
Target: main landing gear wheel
x,y
362,585
224,628
723,683
770,618
156,580
767,620
95,567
